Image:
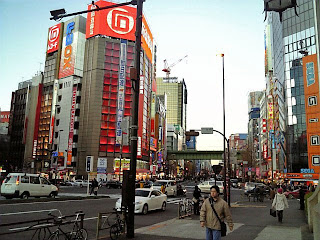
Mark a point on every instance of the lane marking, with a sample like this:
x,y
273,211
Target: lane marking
x,y
13,204
16,213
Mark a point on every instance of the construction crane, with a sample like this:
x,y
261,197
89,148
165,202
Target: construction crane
x,y
167,69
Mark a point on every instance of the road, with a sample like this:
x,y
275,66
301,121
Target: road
x,y
15,212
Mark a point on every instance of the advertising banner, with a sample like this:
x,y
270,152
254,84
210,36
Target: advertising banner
x,y
54,38
120,23
121,89
53,110
312,107
71,128
36,123
125,164
72,52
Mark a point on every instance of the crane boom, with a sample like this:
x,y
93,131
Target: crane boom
x,y
167,69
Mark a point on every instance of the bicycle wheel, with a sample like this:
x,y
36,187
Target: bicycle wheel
x,y
81,234
54,236
114,232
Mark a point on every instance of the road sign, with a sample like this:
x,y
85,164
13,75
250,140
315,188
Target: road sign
x,y
89,163
206,130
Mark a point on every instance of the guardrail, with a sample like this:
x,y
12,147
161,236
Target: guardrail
x,y
42,227
185,208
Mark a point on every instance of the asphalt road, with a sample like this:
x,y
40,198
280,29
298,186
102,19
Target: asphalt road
x,y
10,213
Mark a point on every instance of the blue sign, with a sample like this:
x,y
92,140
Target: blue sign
x,y
54,154
310,73
306,170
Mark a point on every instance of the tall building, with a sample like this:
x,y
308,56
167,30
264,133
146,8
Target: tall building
x,y
17,125
253,129
292,42
107,92
176,91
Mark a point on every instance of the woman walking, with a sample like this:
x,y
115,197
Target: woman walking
x,y
196,200
280,203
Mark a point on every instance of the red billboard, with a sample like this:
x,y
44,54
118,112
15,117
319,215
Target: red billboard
x,y
4,116
118,22
53,38
72,115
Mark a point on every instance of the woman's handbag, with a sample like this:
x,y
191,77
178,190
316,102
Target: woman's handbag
x,y
195,200
273,212
223,225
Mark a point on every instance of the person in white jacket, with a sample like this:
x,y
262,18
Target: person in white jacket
x,y
280,203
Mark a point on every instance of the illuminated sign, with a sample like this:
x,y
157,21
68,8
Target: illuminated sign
x,y
4,116
67,61
72,116
53,38
121,88
306,170
310,73
119,23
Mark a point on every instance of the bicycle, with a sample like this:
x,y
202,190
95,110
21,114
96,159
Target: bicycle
x,y
77,233
117,224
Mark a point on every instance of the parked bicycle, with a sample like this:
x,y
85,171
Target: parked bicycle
x,y
116,223
185,208
77,233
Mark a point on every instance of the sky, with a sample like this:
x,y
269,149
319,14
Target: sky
x,y
200,29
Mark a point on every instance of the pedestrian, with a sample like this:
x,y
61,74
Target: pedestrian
x,y
209,218
196,200
272,193
301,197
280,203
163,188
94,187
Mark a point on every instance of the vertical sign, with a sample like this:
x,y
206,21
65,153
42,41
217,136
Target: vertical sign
x,y
311,93
89,164
71,128
53,38
53,110
102,169
68,51
121,88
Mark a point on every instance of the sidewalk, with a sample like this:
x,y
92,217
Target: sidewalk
x,y
251,222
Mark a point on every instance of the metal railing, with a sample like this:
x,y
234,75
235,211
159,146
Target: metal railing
x,y
42,228
112,221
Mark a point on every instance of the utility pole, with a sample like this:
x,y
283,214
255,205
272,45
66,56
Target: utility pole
x,y
134,129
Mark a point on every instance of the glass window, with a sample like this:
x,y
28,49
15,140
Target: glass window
x,y
34,180
24,179
44,181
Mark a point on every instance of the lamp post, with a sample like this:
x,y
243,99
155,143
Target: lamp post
x,y
224,134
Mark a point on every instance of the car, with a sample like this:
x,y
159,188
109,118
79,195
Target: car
x,y
81,183
249,186
113,184
206,185
294,193
66,183
170,186
146,199
25,185
234,183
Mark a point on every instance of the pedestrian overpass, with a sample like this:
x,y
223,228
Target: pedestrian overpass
x,y
198,155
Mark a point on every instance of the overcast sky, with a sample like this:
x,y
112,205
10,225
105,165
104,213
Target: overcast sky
x,y
197,28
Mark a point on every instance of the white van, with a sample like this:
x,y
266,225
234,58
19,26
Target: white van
x,y
170,185
25,185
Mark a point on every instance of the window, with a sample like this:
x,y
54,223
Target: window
x,y
58,110
79,87
44,181
60,85
74,152
57,122
76,125
77,112
59,98
34,180
78,100
56,134
24,179
75,138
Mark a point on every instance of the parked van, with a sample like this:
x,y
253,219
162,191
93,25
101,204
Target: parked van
x,y
170,185
25,185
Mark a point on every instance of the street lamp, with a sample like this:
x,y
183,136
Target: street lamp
x,y
224,134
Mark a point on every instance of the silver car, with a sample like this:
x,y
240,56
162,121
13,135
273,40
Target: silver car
x,y
206,185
